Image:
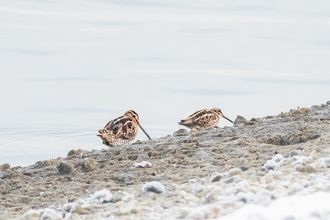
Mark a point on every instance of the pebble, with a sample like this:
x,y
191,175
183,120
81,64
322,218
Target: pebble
x,y
88,165
65,168
4,167
240,120
154,186
216,176
181,132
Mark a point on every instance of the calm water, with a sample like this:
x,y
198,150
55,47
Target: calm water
x,y
68,67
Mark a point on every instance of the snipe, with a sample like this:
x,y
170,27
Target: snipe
x,y
121,130
204,118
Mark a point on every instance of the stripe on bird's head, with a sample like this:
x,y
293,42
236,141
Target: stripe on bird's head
x,y
132,115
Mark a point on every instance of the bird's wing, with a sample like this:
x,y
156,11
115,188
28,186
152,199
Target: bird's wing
x,y
205,119
190,119
127,130
196,114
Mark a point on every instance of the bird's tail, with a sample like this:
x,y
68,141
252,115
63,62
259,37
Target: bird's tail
x,y
101,131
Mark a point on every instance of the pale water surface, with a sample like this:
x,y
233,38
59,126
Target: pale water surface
x,y
68,67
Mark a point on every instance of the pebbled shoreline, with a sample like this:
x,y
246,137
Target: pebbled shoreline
x,y
204,173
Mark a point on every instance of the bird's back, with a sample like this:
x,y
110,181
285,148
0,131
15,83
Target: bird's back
x,y
119,131
202,118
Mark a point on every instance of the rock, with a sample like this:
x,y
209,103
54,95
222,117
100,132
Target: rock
x,y
137,142
305,168
80,210
76,153
133,157
250,123
31,215
165,204
216,176
102,196
209,199
196,132
4,167
88,165
147,149
65,169
50,214
45,163
235,171
240,120
197,189
118,196
303,111
181,132
154,186
72,153
143,164
230,180
192,181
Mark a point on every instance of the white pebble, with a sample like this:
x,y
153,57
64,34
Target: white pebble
x,y
142,164
50,214
153,186
101,196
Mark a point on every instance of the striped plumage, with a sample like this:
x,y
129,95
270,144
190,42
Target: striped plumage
x,y
121,130
204,118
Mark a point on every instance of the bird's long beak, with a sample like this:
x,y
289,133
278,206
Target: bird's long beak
x,y
143,130
228,119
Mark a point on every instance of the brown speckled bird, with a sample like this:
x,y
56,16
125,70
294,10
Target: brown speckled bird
x,y
204,118
121,130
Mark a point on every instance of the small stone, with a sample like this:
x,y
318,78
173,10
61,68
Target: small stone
x,y
65,168
240,120
198,189
4,167
50,214
165,204
88,165
233,179
250,123
76,153
133,157
154,186
134,211
31,215
45,163
234,172
209,199
137,142
118,196
196,132
271,165
192,181
305,168
147,149
80,210
102,196
143,164
181,132
72,152
216,176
